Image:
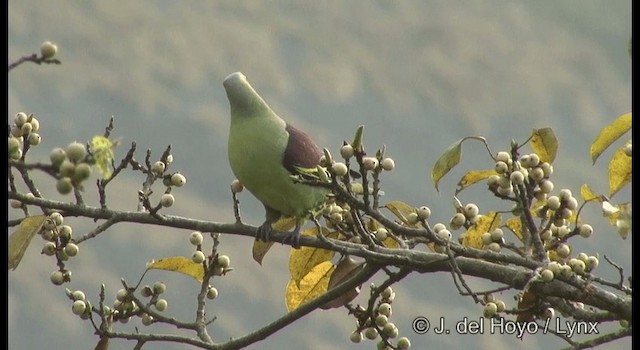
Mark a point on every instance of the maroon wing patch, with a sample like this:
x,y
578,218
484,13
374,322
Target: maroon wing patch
x,y
301,151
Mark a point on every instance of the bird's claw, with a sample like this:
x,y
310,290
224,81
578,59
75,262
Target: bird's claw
x,y
293,237
264,232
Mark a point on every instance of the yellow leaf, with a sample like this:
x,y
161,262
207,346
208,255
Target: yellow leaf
x,y
610,134
485,223
449,158
515,225
345,269
545,144
587,194
260,248
20,238
619,171
179,264
472,177
401,210
314,284
391,243
102,149
303,260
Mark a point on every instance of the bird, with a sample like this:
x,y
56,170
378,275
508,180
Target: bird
x,y
266,154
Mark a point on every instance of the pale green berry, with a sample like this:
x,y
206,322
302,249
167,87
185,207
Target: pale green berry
x,y
387,164
489,298
161,305
158,167
500,305
34,138
486,238
371,333
81,172
536,174
563,231
390,330
494,247
337,217
147,319
503,157
159,288
49,235
571,203
15,204
346,151
324,162
563,250
212,293
592,262
424,213
627,149
546,186
490,309
64,185
412,218
547,169
381,320
169,159
67,168
14,144
582,256
146,291
565,271
553,202
525,161
224,261
65,232
517,177
340,169
196,238
386,293
578,266
382,234
554,266
167,200
497,234
444,235
178,180
438,227
35,124
71,249
534,160
585,230
48,49
198,257
548,313
441,249
57,277
218,271
78,295
16,155
26,128
385,309
403,343
76,151
546,275
16,131
471,210
370,163
49,249
457,220
565,194
501,167
505,191
20,119
57,218
124,320
566,213
624,323
493,180
236,186
79,307
356,337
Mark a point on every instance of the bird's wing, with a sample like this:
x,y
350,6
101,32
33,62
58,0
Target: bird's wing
x,y
301,156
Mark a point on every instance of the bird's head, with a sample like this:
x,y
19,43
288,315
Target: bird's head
x,y
241,95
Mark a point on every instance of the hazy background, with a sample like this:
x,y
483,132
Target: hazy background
x,y
420,75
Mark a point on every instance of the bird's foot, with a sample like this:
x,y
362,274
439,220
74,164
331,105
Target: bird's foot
x,y
293,237
264,231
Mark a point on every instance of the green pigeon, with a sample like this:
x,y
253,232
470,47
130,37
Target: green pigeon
x,y
266,153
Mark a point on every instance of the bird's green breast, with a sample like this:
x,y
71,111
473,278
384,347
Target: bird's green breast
x,y
256,151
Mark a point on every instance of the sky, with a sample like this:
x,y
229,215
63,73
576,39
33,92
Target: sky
x,y
418,75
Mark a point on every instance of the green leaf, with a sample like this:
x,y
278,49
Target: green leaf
x,y
448,159
610,134
20,238
102,149
545,144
